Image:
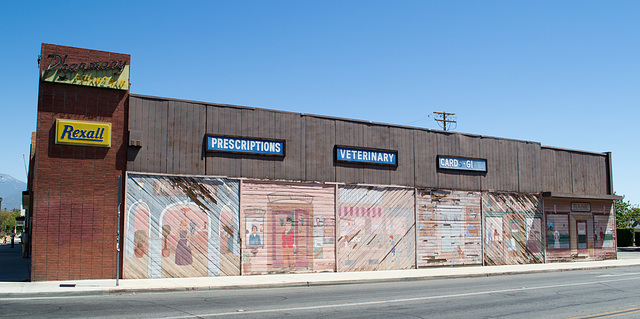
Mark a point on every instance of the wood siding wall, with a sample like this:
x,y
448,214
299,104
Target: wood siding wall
x,y
449,228
173,132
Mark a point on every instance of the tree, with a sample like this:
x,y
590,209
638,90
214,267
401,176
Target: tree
x,y
8,220
626,214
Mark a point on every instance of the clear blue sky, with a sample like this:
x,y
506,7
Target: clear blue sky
x,y
562,73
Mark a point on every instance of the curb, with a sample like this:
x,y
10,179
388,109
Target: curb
x,y
90,291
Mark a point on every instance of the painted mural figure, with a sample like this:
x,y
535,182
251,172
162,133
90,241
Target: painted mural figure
x,y
288,245
601,237
254,238
183,250
511,245
556,239
490,234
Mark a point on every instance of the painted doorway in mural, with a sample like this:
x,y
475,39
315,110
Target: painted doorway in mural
x,y
291,236
581,226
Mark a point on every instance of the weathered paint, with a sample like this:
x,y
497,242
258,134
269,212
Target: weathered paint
x,y
376,228
287,227
181,227
512,229
449,230
574,235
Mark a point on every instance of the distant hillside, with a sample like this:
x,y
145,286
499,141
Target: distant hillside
x,y
11,191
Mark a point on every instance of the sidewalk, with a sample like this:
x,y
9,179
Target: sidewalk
x,y
108,286
12,266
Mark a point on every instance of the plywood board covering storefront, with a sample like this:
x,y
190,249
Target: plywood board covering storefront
x,y
449,231
579,230
287,227
512,229
376,228
181,227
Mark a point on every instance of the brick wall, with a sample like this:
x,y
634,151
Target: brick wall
x,y
76,187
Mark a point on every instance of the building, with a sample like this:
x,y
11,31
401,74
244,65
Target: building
x,y
203,189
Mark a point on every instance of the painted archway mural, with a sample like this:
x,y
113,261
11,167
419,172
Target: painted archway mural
x,y
181,227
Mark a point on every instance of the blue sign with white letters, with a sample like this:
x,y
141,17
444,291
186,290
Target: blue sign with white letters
x,y
245,145
367,156
464,164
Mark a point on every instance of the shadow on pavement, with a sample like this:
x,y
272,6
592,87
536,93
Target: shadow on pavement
x,y
14,268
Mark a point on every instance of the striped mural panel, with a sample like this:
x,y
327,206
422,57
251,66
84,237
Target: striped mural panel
x,y
513,229
376,228
449,231
181,227
287,227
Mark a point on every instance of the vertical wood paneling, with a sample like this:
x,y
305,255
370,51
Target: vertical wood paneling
x,y
135,111
290,127
548,171
147,135
226,121
402,140
161,135
320,138
172,147
578,173
376,137
425,159
249,129
349,134
595,173
529,167
502,165
258,124
563,172
173,133
150,118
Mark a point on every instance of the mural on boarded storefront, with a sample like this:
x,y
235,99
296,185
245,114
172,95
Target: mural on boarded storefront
x,y
376,228
181,227
287,227
449,228
579,230
513,229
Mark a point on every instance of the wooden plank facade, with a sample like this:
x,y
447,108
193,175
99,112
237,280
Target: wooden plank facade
x,y
173,137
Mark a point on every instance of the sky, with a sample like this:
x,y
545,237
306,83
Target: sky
x,y
561,73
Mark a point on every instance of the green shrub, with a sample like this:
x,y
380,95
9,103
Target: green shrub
x,y
637,239
625,237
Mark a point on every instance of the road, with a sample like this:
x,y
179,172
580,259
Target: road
x,y
613,292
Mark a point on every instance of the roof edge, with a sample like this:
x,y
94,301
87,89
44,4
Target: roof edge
x,y
580,196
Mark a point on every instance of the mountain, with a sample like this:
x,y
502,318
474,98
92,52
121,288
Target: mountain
x,y
11,191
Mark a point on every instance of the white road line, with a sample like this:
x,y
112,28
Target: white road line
x,y
367,303
627,274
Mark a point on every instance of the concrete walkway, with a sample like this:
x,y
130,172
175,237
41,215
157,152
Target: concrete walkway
x,y
12,266
85,287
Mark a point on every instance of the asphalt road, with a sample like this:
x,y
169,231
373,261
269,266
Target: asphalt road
x,y
613,292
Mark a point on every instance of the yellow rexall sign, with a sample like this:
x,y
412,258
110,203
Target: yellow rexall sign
x,y
83,133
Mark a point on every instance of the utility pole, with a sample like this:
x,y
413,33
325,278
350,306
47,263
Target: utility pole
x,y
446,118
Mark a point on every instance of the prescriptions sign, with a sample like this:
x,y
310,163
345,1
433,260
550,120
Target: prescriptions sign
x,y
245,145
